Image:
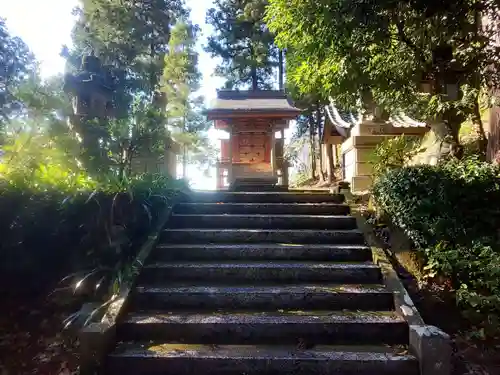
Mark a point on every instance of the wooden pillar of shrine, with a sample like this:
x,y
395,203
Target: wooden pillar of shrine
x,y
273,151
284,168
230,155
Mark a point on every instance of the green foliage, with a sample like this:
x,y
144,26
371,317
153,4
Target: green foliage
x,y
451,212
150,47
393,153
243,43
56,219
34,162
181,78
17,64
381,52
301,178
452,202
131,35
475,274
404,41
71,199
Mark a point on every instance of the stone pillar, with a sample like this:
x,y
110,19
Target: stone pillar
x,y
284,164
273,151
432,348
230,152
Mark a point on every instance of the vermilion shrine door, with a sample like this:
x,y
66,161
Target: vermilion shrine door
x,y
253,148
252,155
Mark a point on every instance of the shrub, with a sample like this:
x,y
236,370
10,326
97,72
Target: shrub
x,y
453,202
452,212
56,219
474,271
393,153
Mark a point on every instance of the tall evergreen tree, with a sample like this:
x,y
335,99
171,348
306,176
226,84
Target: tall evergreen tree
x,y
135,37
244,44
130,35
181,79
17,63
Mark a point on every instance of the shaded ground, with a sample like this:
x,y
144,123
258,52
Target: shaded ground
x,y
436,303
31,341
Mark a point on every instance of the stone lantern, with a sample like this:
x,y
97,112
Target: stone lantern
x,y
91,89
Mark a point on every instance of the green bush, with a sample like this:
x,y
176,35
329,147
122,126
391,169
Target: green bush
x,y
452,213
393,153
56,220
475,274
455,202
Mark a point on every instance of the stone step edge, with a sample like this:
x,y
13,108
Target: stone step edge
x,y
265,216
265,265
319,353
252,230
266,318
270,204
267,246
267,289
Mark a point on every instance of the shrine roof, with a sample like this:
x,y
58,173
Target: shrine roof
x,y
237,103
344,120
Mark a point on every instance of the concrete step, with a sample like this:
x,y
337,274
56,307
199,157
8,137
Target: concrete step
x,y
270,297
302,236
245,251
263,221
252,271
259,188
263,208
265,197
287,327
182,359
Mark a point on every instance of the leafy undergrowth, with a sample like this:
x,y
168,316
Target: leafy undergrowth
x,y
68,239
450,213
32,340
434,298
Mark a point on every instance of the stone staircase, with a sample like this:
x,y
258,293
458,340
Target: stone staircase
x,y
261,283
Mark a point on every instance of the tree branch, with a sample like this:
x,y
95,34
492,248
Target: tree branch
x,y
404,38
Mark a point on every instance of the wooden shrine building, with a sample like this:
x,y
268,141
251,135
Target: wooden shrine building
x,y
255,122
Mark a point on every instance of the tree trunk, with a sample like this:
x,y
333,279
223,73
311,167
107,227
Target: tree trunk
x,y
312,147
255,83
320,160
453,123
320,149
478,128
477,122
331,169
184,147
130,158
184,161
281,69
